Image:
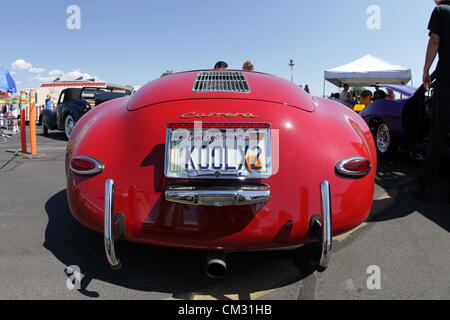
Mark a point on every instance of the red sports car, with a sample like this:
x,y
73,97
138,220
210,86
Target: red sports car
x,y
220,161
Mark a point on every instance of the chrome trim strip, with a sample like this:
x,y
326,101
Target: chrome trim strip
x,y
327,235
109,236
340,168
99,167
218,196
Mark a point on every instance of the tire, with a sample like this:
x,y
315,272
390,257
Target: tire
x,y
69,124
44,130
385,144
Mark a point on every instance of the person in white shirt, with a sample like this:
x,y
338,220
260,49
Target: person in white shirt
x,y
14,111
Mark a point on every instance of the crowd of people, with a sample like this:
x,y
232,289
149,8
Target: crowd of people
x,y
366,97
9,114
248,66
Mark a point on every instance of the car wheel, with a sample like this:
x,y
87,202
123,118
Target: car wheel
x,y
383,140
69,124
44,129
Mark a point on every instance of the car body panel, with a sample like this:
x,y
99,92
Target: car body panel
x,y
49,119
390,112
406,118
407,91
173,88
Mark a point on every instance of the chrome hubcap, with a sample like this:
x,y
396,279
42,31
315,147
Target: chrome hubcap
x,y
383,138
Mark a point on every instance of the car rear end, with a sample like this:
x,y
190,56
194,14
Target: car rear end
x,y
234,172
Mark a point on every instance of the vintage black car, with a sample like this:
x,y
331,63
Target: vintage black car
x,y
73,103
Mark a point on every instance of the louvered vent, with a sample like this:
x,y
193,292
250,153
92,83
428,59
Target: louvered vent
x,y
221,81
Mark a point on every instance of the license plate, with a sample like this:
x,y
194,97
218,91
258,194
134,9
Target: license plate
x,y
225,151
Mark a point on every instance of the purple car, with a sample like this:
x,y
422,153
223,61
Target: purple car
x,y
403,121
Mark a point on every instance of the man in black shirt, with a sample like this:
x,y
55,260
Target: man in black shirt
x,y
439,42
379,94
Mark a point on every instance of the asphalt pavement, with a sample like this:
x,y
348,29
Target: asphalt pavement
x,y
401,252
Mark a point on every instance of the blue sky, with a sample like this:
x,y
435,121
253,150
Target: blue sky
x,y
135,41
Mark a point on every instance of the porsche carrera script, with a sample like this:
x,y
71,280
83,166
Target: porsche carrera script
x,y
194,114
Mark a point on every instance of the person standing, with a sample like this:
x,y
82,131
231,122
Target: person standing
x,y
14,112
365,98
346,96
49,103
221,65
379,94
390,94
248,66
439,42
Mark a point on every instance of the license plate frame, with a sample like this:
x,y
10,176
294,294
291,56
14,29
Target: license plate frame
x,y
249,157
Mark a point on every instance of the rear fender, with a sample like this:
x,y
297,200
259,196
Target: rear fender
x,y
49,119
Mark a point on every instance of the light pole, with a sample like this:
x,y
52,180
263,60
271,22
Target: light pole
x,y
292,65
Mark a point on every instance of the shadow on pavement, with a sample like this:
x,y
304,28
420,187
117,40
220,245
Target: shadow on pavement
x,y
164,270
399,188
53,135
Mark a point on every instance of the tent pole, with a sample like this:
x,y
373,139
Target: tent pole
x,y
324,83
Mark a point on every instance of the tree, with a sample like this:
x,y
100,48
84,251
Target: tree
x,y
356,91
167,73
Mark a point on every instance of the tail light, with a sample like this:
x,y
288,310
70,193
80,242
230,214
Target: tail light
x,y
86,166
354,167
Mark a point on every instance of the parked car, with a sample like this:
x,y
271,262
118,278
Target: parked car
x,y
396,122
221,161
73,103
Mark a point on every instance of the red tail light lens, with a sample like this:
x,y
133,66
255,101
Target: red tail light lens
x,y
354,167
86,166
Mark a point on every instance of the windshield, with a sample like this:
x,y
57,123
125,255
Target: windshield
x,y
97,96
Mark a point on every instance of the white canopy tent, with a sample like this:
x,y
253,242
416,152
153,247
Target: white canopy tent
x,y
367,71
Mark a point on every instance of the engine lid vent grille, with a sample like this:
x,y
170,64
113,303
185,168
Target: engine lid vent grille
x,y
221,81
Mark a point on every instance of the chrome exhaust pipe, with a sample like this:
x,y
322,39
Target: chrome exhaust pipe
x,y
216,267
109,236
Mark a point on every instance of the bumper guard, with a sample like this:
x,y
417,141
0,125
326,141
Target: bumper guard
x,y
109,235
326,225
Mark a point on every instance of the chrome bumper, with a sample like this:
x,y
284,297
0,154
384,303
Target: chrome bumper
x,y
218,196
326,225
109,235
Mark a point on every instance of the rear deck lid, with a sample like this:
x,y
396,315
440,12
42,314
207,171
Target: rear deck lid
x,y
228,84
